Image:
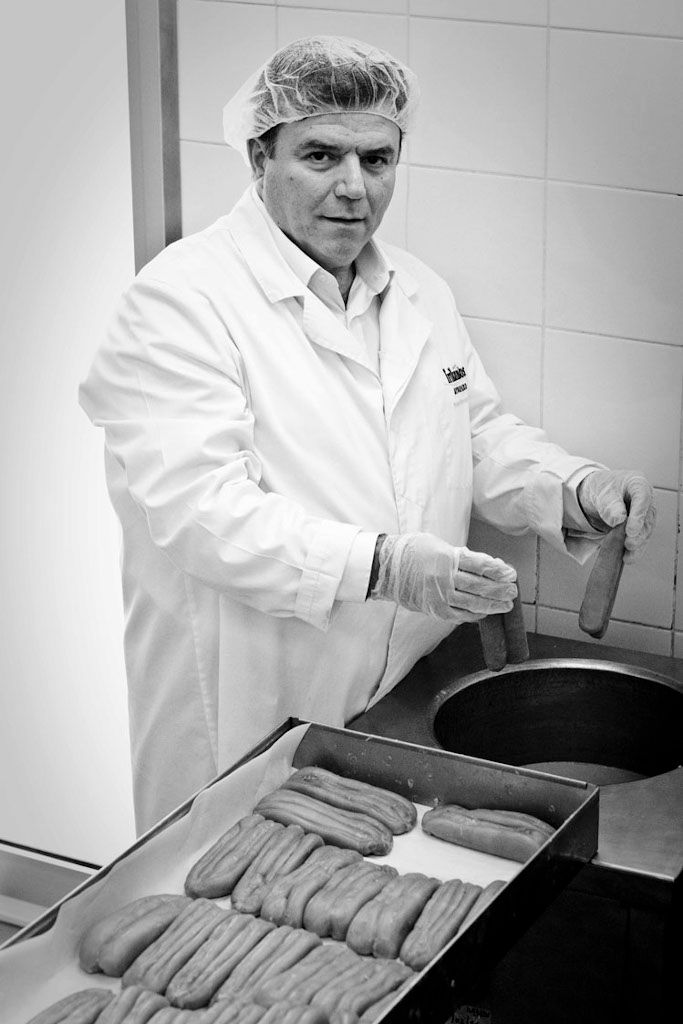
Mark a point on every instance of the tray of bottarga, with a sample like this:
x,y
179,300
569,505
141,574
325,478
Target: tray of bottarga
x,y
329,877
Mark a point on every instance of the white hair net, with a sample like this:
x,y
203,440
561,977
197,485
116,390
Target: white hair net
x,y
320,75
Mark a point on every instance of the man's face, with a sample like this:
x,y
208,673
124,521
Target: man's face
x,y
329,181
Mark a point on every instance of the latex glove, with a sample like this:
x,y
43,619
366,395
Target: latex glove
x,y
608,497
425,574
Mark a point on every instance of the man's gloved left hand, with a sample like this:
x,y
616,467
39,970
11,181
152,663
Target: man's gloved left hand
x,y
608,497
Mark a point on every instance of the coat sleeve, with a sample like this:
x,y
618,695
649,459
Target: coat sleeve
x,y
169,390
522,481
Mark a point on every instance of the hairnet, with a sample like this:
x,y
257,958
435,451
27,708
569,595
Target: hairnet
x,y
320,75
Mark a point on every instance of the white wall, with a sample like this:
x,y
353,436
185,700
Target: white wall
x,y
66,254
544,181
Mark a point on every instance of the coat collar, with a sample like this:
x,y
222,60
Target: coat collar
x,y
404,328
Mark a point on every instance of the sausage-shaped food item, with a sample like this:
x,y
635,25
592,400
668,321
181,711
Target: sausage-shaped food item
x,y
282,852
331,910
508,834
350,829
134,1005
441,919
387,976
83,1007
361,985
328,997
343,1017
158,963
395,811
515,633
503,637
488,893
493,642
375,1010
603,583
291,1013
278,951
198,980
381,925
218,870
300,983
229,1011
125,930
171,1015
287,895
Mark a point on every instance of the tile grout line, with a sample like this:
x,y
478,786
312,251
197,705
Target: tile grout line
x,y
544,271
677,554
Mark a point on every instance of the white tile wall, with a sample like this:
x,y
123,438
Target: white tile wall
x,y
613,117
219,46
628,635
658,17
511,354
388,31
615,401
483,109
484,234
615,262
529,12
544,182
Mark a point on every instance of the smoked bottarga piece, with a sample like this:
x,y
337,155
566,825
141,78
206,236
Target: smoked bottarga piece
x,y
200,977
300,983
510,834
349,829
134,1005
112,943
279,950
330,911
82,1007
283,851
381,924
164,957
441,919
218,870
285,899
359,986
395,811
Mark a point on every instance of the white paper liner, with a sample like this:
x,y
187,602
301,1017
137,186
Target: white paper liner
x,y
39,971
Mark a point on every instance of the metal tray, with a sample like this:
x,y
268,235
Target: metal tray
x,y
426,775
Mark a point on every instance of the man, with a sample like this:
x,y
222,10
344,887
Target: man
x,y
297,431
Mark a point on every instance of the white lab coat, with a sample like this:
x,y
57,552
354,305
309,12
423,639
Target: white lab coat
x,y
248,445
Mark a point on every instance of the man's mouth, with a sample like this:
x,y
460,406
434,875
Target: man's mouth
x,y
346,220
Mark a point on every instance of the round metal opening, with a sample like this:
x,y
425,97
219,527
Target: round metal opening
x,y
597,721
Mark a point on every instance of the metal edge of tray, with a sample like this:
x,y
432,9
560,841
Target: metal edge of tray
x,y
446,982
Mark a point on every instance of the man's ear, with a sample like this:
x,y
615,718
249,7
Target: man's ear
x,y
257,158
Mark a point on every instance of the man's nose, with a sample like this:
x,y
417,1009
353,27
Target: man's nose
x,y
351,183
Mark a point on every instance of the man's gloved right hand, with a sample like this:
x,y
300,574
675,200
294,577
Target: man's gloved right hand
x,y
425,574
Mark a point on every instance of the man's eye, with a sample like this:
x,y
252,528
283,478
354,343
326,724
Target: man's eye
x,y
319,157
375,160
